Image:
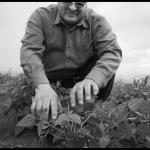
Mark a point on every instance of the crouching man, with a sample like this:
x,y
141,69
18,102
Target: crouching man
x,y
71,43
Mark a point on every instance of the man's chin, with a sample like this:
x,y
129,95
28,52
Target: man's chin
x,y
71,21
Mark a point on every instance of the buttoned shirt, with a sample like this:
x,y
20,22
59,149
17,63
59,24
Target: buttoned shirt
x,y
51,49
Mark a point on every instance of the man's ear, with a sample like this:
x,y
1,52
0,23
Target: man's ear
x,y
85,6
58,3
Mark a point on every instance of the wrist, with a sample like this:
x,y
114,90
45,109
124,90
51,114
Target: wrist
x,y
43,86
98,85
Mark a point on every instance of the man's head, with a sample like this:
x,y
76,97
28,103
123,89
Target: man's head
x,y
72,12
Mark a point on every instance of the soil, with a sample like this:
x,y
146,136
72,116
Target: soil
x,y
27,139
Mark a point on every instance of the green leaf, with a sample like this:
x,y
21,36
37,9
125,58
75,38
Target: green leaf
x,y
99,104
82,132
60,108
92,120
79,108
88,106
144,108
75,118
122,112
43,128
135,82
79,142
66,118
102,127
143,130
18,130
108,106
99,113
104,141
27,121
123,131
135,103
94,131
145,93
118,114
40,128
93,144
112,119
61,119
58,136
148,138
3,91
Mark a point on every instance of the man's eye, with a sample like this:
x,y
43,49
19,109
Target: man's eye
x,y
66,3
80,4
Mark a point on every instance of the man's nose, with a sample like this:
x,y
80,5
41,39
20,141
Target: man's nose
x,y
72,6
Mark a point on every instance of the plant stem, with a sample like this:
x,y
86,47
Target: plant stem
x,y
52,126
57,136
86,119
71,125
56,129
68,108
74,127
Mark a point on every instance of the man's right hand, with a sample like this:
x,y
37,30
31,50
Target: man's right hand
x,y
45,97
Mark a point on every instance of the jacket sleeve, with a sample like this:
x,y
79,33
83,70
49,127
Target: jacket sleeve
x,y
108,51
32,49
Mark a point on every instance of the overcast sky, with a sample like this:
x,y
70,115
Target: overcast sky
x,y
130,21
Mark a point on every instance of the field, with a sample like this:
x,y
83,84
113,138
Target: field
x,y
122,121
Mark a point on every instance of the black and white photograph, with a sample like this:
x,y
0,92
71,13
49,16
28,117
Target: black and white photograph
x,y
74,75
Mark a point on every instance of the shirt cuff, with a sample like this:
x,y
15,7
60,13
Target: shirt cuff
x,y
40,79
98,77
41,85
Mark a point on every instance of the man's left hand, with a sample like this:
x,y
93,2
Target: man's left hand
x,y
83,90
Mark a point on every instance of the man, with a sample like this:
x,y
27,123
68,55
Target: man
x,y
68,42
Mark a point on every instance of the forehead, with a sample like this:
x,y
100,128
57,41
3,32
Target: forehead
x,y
73,2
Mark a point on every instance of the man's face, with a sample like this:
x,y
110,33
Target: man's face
x,y
71,12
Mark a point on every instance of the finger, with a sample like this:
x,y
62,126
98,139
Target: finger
x,y
95,89
39,107
79,92
45,108
33,106
73,96
32,98
54,108
87,89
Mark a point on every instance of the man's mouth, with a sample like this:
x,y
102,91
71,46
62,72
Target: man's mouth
x,y
72,13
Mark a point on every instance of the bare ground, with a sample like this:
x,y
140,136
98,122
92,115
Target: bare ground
x,y
28,139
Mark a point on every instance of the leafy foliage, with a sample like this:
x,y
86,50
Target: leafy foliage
x,y
27,121
123,120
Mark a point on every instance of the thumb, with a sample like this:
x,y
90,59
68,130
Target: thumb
x,y
95,88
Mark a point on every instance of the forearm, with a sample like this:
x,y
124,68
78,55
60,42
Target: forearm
x,y
37,78
106,66
109,53
31,62
31,51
